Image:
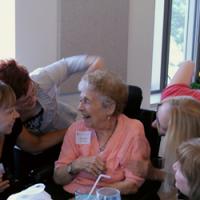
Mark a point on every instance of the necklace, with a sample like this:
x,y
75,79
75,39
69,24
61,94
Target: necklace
x,y
102,147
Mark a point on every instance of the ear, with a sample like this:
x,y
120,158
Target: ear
x,y
111,109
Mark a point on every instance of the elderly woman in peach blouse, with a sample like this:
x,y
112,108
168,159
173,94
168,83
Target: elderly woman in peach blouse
x,y
104,141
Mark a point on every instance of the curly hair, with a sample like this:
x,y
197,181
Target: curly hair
x,y
109,85
15,75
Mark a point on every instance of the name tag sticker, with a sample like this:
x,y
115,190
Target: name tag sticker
x,y
83,137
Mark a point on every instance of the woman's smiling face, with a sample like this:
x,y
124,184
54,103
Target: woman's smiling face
x,y
91,108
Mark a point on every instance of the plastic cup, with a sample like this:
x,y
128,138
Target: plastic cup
x,y
108,193
79,195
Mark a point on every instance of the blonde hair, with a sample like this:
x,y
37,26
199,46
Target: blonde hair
x,y
7,96
184,124
109,85
188,155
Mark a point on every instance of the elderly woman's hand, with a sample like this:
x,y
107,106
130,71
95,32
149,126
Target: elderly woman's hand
x,y
93,164
94,63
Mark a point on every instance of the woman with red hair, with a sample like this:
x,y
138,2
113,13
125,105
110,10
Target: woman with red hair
x,y
36,92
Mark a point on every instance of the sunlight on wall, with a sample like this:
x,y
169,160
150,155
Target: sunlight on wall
x,y
7,33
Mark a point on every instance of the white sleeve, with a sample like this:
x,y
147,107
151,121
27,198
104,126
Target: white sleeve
x,y
59,71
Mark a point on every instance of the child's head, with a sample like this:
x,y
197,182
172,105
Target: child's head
x,y
8,113
187,173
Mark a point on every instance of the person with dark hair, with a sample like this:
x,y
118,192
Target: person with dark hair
x,y
36,92
39,108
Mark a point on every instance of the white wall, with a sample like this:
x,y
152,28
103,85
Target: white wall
x,y
38,35
95,27
36,32
140,48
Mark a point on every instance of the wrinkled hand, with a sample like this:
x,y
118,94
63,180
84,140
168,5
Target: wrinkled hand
x,y
3,184
140,168
95,63
93,165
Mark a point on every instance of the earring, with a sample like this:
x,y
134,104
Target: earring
x,y
108,118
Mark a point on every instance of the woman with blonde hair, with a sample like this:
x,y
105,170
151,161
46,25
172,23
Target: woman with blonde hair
x,y
177,119
183,124
186,168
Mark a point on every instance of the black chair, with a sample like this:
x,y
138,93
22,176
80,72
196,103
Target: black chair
x,y
149,189
133,110
147,117
133,104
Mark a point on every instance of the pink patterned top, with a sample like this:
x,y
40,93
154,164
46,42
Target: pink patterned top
x,y
127,143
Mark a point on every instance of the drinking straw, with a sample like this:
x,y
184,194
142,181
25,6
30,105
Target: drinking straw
x,y
95,184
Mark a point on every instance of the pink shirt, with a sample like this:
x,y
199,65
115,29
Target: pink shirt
x,y
180,90
127,143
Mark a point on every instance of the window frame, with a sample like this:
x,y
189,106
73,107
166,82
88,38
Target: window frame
x,y
195,51
165,43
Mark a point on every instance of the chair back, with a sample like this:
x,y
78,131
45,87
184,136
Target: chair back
x,y
133,110
135,97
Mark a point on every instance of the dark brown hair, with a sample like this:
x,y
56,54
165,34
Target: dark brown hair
x,y
15,75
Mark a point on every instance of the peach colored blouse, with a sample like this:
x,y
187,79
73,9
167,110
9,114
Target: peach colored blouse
x,y
127,143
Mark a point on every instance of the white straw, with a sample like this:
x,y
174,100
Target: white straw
x,y
95,184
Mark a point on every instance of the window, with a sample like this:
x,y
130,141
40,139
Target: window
x,y
174,38
7,34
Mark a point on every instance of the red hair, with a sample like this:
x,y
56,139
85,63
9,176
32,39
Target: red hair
x,y
15,75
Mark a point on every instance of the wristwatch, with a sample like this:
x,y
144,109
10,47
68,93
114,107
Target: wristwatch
x,y
69,169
